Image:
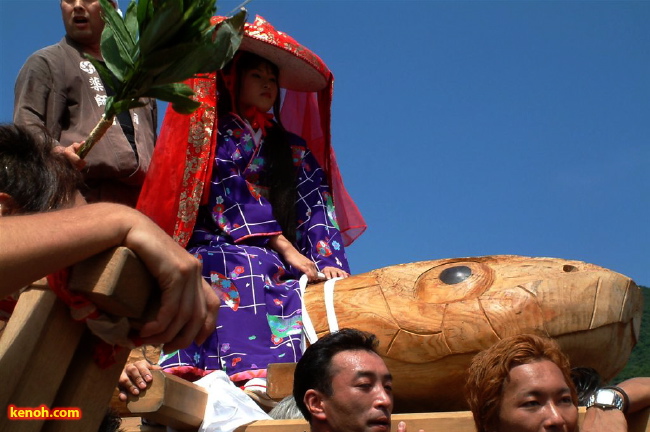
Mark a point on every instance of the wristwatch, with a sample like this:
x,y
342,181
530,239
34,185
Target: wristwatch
x,y
606,398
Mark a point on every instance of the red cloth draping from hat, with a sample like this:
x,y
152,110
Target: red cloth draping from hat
x,y
182,164
302,114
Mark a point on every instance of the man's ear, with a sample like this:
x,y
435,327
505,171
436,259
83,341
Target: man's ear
x,y
7,204
314,402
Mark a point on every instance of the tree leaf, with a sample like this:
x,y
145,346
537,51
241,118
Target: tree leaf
x,y
109,110
162,27
227,40
179,95
163,58
145,12
127,104
103,72
113,57
131,23
115,22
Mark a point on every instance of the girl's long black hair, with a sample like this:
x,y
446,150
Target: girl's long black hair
x,y
280,175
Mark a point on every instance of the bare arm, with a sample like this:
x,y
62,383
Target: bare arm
x,y
638,390
599,420
36,245
291,255
613,420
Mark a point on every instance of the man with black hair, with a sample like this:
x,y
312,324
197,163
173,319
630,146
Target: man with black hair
x,y
341,384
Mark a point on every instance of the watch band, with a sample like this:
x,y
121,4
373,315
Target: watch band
x,y
626,398
616,401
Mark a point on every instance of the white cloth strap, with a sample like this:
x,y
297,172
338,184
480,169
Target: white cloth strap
x,y
328,290
309,333
307,326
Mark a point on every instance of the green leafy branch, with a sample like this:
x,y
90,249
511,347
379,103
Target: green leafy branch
x,y
157,45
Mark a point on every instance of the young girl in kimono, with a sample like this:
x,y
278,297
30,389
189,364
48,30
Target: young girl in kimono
x,y
266,213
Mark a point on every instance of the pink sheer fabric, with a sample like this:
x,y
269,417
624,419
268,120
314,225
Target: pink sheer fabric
x,y
302,114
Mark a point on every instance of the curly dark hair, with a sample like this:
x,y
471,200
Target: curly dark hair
x,y
36,178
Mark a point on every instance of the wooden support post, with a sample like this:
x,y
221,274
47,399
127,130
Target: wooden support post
x,y
45,359
87,386
36,349
171,401
116,281
279,380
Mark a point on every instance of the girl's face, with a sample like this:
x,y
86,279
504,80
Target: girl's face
x,y
259,88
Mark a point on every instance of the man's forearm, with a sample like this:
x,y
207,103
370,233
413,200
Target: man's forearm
x,y
33,246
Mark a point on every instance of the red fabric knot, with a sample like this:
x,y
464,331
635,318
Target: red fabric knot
x,y
259,119
82,309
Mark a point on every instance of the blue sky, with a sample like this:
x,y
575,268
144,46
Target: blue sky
x,y
466,128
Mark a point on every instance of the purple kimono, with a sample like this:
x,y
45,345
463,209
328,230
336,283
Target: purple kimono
x,y
260,320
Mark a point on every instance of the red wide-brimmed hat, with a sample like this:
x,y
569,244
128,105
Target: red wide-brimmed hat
x,y
300,69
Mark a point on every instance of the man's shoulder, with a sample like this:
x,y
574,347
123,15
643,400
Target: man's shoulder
x,y
50,53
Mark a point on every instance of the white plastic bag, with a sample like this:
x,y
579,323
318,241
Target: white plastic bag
x,y
228,407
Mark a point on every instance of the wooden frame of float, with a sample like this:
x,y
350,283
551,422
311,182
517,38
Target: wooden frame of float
x,y
51,362
170,395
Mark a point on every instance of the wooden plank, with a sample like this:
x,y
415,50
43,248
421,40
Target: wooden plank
x,y
171,401
41,342
170,397
280,380
459,421
36,349
115,281
133,424
87,386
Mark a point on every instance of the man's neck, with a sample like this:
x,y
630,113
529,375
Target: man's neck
x,y
93,50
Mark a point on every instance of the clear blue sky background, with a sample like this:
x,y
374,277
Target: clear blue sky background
x,y
466,128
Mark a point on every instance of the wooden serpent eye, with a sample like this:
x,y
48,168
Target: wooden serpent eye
x,y
454,275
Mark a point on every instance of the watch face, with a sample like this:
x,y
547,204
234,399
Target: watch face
x,y
605,397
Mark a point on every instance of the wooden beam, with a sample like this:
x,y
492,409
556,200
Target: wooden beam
x,y
171,401
460,421
87,386
280,380
42,350
169,396
116,281
36,349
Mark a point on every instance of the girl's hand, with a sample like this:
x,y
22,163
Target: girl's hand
x,y
302,263
71,155
334,272
281,245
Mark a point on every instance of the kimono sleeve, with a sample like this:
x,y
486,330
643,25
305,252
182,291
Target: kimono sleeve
x,y
318,233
